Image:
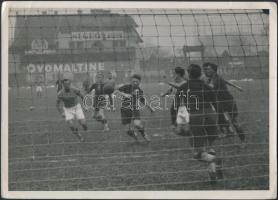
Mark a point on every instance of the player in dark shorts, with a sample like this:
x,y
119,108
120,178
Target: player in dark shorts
x,y
225,102
132,96
99,101
72,109
202,123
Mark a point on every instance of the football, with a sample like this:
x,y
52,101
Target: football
x,y
108,88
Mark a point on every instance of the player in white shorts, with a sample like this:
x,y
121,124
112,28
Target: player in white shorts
x,y
72,109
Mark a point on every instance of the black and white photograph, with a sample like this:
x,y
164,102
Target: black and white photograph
x,y
140,98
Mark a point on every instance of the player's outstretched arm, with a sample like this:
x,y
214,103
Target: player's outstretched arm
x,y
233,85
176,85
78,93
93,87
120,90
169,91
122,94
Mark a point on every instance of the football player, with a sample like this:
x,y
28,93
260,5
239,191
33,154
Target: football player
x,y
110,83
72,109
198,97
179,79
225,104
130,108
99,100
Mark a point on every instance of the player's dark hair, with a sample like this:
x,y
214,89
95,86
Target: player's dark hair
x,y
179,71
212,65
194,71
136,76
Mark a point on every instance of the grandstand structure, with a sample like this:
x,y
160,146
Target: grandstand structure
x,y
81,43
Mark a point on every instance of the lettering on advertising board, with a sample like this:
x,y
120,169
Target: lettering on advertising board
x,y
65,67
97,35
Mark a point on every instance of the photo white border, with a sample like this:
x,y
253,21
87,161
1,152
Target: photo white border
x,y
251,194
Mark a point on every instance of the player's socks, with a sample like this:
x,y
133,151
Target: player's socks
x,y
75,132
79,135
72,129
222,132
238,128
131,133
212,173
145,136
106,127
239,131
104,121
241,137
85,127
219,172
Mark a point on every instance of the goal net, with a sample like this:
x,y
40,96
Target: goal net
x,y
45,44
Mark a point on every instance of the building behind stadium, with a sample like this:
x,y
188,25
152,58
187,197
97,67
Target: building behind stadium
x,y
46,45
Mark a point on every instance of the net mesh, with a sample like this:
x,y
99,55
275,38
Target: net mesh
x,y
43,44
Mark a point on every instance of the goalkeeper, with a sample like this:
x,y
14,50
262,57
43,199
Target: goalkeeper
x,y
202,123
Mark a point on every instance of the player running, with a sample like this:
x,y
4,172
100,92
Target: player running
x,y
72,108
130,108
197,97
225,104
99,101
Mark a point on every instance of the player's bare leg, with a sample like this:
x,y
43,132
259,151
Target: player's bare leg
x,y
139,126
